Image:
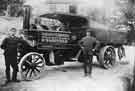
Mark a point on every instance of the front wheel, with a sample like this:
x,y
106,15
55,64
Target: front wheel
x,y
107,57
31,66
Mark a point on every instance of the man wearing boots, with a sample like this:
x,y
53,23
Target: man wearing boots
x,y
88,45
9,45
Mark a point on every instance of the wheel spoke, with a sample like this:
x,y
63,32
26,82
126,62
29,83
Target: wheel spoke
x,y
34,72
106,61
29,58
37,70
32,57
28,62
37,59
39,62
26,74
31,73
39,66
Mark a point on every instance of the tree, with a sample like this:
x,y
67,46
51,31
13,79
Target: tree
x,y
14,7
4,5
129,14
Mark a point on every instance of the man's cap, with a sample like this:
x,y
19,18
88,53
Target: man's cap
x,y
88,30
13,29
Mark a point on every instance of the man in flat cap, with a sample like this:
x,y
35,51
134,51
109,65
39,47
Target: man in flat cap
x,y
88,44
9,45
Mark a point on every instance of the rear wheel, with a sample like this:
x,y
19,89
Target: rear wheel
x,y
31,66
121,52
107,57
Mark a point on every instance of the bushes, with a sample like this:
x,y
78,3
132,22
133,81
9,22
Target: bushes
x,y
13,7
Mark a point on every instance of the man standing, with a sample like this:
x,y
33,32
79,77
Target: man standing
x,y
88,44
9,45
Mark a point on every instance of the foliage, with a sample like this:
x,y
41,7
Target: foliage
x,y
4,4
129,14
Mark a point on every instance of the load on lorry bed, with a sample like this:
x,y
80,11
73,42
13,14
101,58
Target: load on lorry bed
x,y
102,32
107,35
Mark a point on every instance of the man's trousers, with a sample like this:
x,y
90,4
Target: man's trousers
x,y
11,61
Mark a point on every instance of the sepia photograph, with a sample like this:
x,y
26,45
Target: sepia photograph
x,y
67,45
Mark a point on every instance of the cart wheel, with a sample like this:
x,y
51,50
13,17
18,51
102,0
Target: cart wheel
x,y
31,65
107,57
121,52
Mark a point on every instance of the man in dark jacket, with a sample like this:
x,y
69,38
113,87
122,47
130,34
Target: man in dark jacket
x,y
88,44
9,45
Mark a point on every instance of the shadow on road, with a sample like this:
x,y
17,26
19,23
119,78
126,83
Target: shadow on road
x,y
76,67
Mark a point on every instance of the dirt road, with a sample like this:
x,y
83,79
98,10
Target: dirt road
x,y
70,77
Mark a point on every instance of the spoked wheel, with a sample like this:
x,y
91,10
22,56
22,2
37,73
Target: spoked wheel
x,y
121,52
107,57
31,66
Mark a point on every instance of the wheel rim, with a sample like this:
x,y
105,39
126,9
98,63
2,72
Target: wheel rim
x,y
109,57
121,53
32,66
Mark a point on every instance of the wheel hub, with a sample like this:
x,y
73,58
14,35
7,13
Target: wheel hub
x,y
33,66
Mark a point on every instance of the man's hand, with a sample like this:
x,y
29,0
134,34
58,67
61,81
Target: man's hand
x,y
82,47
93,50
